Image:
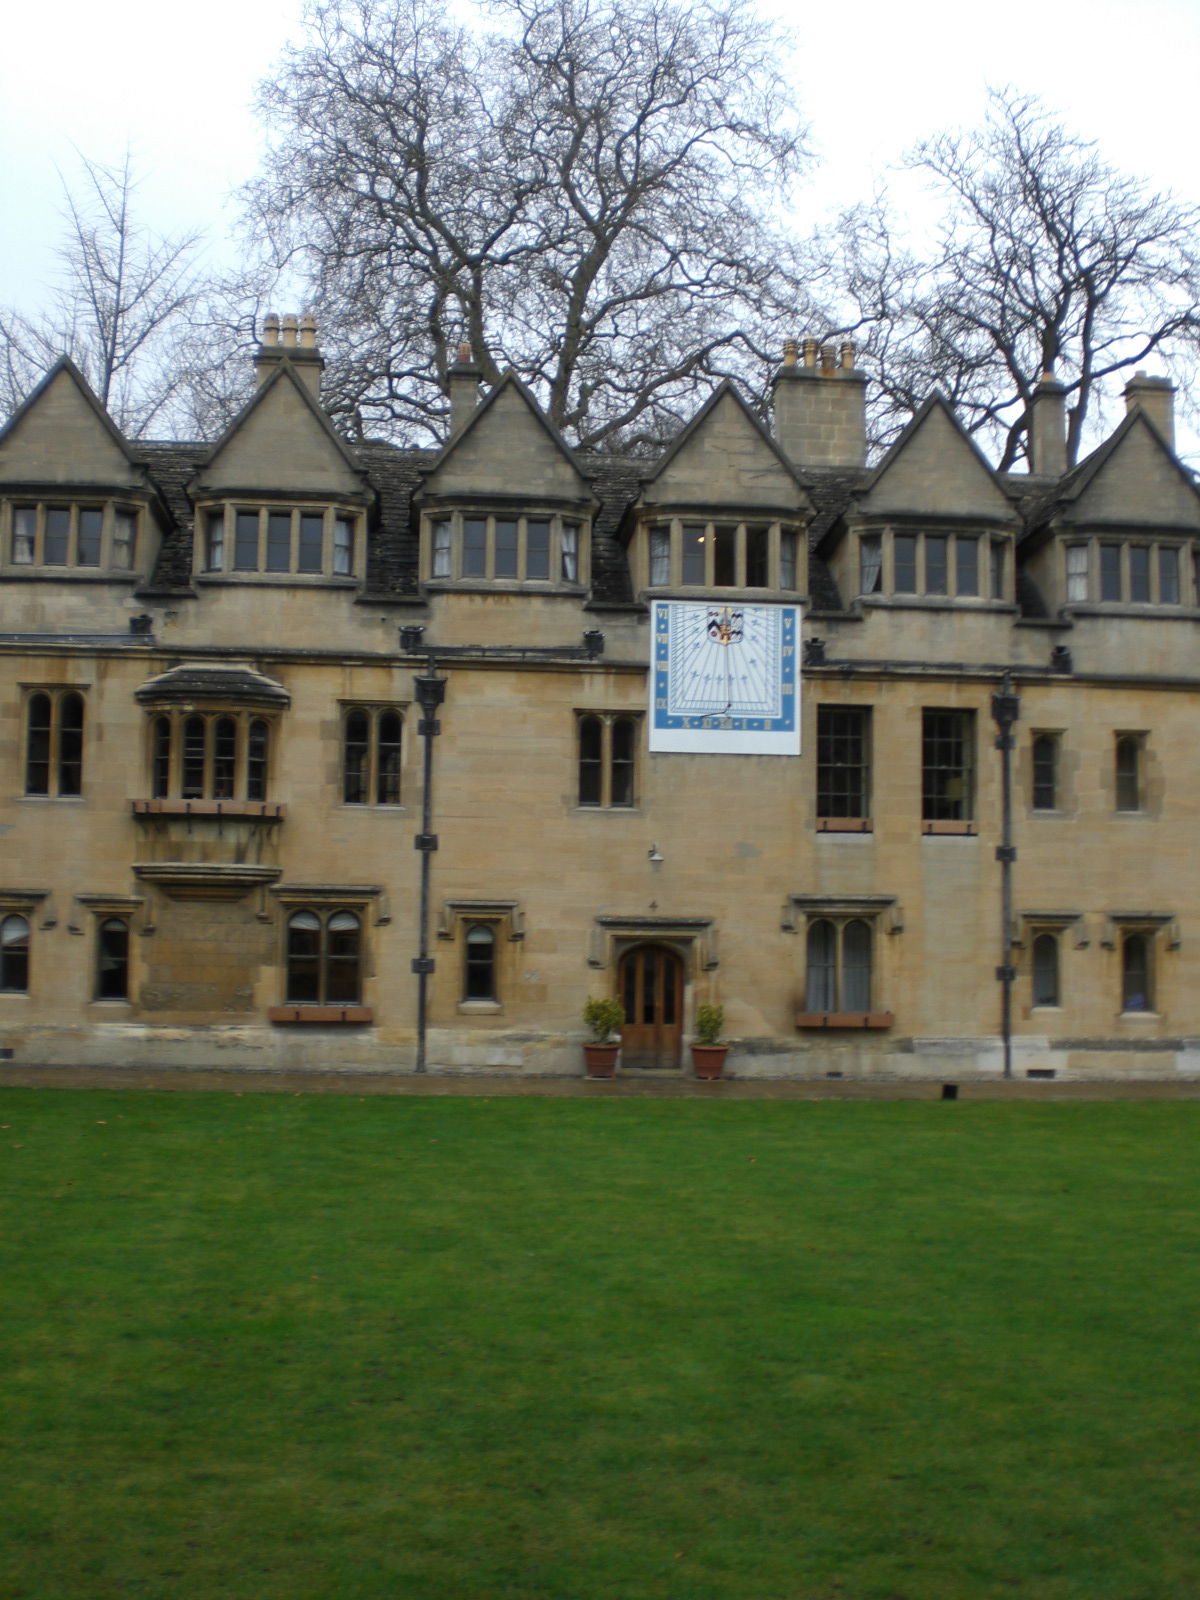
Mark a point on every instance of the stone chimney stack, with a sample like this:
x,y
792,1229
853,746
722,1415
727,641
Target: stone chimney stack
x,y
1048,428
1156,396
294,340
462,385
820,406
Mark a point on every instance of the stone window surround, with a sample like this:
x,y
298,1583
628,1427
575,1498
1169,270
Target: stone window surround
x,y
882,915
993,546
74,501
373,778
326,900
713,520
446,549
225,510
607,772
1123,540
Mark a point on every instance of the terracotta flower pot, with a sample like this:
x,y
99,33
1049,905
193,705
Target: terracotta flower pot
x,y
600,1059
708,1060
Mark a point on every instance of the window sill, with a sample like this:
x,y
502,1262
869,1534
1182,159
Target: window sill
x,y
960,829
73,574
479,1008
845,1019
571,587
321,1014
845,825
276,580
1139,1016
259,810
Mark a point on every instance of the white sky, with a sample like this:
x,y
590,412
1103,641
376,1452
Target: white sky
x,y
175,84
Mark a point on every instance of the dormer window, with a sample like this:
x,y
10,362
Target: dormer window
x,y
315,541
1121,571
98,534
721,555
503,545
901,561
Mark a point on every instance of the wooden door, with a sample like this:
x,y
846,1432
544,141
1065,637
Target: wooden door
x,y
650,979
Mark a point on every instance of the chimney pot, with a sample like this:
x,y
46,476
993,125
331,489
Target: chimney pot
x,y
848,354
289,331
789,352
810,352
270,328
308,331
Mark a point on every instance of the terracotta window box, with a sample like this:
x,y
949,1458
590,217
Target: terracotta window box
x,y
845,1019
321,1014
962,829
845,825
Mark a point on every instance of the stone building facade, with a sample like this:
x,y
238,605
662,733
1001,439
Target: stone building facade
x,y
221,846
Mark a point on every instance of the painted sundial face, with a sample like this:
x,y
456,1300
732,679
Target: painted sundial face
x,y
724,678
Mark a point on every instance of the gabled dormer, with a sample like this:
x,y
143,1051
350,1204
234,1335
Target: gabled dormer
x,y
280,497
723,508
1123,529
505,504
933,523
74,501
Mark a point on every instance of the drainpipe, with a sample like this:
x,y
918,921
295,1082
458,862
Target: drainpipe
x,y
1006,708
430,691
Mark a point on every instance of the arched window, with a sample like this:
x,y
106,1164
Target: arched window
x,y
822,966
479,974
112,959
14,955
209,755
607,748
856,967
54,743
1136,974
838,975
372,752
1128,772
1045,970
324,958
591,761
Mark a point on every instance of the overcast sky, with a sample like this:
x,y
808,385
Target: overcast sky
x,y
176,83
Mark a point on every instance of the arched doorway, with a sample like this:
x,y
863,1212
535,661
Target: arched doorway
x,y
650,985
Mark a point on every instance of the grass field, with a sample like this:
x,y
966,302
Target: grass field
x,y
320,1348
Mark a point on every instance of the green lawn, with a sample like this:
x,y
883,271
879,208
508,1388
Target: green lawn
x,y
273,1348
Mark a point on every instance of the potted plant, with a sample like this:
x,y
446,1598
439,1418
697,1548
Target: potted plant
x,y
708,1054
604,1018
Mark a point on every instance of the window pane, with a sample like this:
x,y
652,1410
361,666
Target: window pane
x,y
725,557
355,758
1110,572
37,750
821,980
224,758
624,733
660,555
947,765
124,532
304,958
1135,974
279,541
694,569
904,559
343,547
245,541
591,761
87,543
870,563
1077,572
756,558
160,773
856,966
997,559
312,542
480,975
342,965
1045,772
506,548
1045,970
112,960
1139,573
474,547
257,744
570,553
1168,575
70,744
537,550
966,564
58,535
214,541
387,778
1128,755
24,535
441,550
195,731
842,761
936,562
787,560
14,955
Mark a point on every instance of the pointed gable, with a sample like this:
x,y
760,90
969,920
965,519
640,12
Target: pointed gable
x,y
508,447
1133,478
934,469
724,456
63,435
282,441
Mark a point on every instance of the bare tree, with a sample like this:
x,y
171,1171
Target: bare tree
x,y
580,194
1049,259
123,295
